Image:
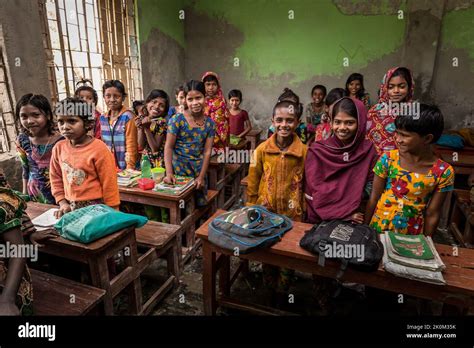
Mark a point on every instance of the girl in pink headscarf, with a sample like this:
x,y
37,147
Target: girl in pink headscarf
x,y
216,109
396,88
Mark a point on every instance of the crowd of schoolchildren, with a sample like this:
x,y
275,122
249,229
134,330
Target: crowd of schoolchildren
x,y
320,162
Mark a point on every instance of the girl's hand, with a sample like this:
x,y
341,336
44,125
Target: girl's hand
x,y
358,218
39,236
199,182
146,122
169,179
138,122
64,208
8,308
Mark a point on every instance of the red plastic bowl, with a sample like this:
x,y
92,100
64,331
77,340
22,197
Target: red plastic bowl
x,y
146,183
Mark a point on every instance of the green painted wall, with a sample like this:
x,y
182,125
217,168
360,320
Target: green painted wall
x,y
313,43
458,31
161,14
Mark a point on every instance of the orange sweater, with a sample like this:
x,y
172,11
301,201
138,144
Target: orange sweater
x,y
84,173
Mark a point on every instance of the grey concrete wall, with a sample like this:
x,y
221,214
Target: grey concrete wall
x,y
20,21
22,41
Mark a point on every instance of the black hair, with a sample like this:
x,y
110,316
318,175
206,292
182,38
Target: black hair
x,y
356,77
345,105
405,73
158,93
235,93
290,96
194,85
334,95
136,104
321,87
114,83
74,106
84,87
430,121
210,78
38,101
178,89
287,104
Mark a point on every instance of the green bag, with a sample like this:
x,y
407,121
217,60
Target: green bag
x,y
88,224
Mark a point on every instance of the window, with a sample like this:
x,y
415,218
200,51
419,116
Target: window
x,y
94,40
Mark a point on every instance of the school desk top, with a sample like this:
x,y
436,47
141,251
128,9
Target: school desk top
x,y
35,209
459,273
153,194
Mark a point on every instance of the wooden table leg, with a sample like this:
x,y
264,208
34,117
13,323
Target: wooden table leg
x,y
173,263
224,276
134,289
100,279
175,219
209,279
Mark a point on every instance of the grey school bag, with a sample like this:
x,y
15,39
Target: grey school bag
x,y
247,229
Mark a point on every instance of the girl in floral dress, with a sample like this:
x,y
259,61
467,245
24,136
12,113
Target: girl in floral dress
x,y
411,183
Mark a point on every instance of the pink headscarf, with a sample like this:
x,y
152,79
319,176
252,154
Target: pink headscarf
x,y
216,109
336,174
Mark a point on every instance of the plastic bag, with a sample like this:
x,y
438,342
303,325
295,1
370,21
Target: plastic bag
x,y
88,224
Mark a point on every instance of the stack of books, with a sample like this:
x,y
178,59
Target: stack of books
x,y
182,184
128,177
412,256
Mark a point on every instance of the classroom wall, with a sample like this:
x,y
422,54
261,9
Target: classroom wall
x,y
161,36
263,46
25,57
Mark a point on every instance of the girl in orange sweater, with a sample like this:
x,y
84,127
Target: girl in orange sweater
x,y
82,167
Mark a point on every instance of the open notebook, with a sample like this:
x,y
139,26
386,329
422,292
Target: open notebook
x,y
46,220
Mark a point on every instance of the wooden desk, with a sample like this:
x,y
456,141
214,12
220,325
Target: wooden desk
x,y
174,203
95,255
216,173
244,183
242,145
464,164
254,138
459,274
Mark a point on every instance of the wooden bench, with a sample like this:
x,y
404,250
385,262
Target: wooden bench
x,y
462,218
459,273
181,209
53,295
159,240
208,210
232,178
244,183
254,138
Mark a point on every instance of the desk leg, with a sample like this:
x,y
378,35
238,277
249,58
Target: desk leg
x,y
212,172
209,279
100,279
134,289
190,236
173,263
224,276
175,219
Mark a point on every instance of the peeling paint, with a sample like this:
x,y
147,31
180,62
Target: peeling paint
x,y
315,42
458,32
162,14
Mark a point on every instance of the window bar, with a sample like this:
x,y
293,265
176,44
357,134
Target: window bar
x,y
61,44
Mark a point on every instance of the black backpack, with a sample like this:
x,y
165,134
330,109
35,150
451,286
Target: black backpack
x,y
353,244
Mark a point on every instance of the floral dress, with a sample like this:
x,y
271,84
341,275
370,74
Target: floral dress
x,y
188,154
402,206
35,164
157,127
